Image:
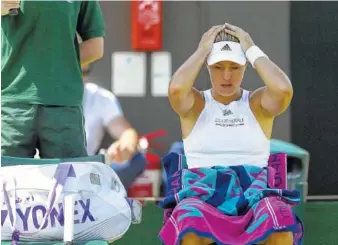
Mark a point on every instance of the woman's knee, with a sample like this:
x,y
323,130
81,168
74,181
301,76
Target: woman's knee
x,y
192,239
280,238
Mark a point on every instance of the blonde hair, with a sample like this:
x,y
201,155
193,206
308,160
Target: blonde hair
x,y
223,36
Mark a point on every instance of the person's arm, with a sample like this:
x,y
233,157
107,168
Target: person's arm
x,y
91,30
7,5
119,128
113,119
91,50
127,144
276,96
278,91
181,92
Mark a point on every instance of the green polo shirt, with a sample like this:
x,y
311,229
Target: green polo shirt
x,y
40,52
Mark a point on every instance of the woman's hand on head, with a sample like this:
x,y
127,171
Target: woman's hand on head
x,y
208,38
244,37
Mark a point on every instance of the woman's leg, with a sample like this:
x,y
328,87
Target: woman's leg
x,y
192,239
280,238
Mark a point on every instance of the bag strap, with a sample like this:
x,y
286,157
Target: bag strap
x,y
10,201
62,172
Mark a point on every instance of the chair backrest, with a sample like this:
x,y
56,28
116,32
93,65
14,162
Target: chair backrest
x,y
278,161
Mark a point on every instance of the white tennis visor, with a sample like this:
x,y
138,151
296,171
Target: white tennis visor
x,y
226,51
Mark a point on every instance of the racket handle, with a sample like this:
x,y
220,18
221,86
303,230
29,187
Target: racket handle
x,y
13,12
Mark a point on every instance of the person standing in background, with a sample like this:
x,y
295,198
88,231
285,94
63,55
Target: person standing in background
x,y
41,87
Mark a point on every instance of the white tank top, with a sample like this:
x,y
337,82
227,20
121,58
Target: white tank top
x,y
226,135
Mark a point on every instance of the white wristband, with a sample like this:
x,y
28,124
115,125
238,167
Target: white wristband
x,y
253,53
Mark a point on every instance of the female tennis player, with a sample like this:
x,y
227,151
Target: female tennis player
x,y
227,125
